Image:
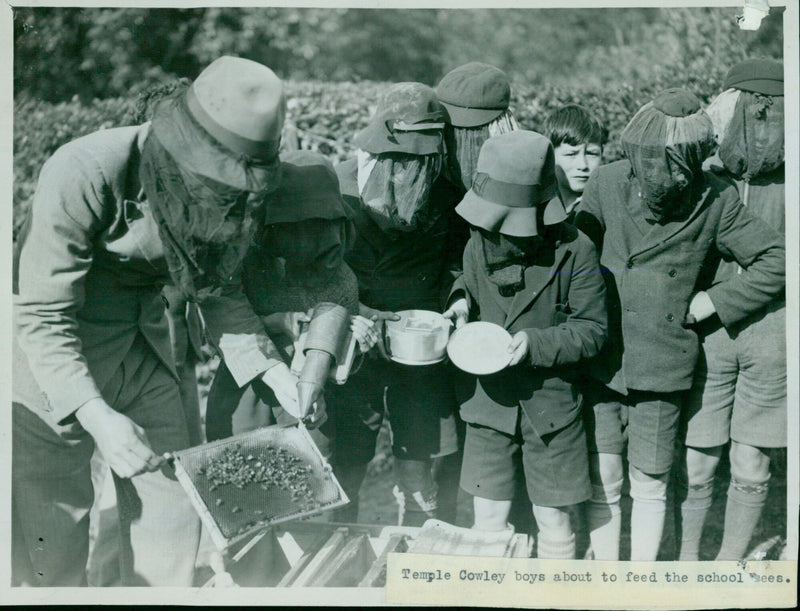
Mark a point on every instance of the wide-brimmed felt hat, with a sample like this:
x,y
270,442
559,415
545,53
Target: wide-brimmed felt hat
x,y
309,189
239,106
408,119
515,186
764,76
474,94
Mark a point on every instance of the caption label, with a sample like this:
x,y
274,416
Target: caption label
x,y
460,580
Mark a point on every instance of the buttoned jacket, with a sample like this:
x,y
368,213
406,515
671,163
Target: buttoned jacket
x,y
561,309
653,270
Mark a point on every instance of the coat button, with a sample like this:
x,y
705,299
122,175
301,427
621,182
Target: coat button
x,y
629,264
672,273
422,277
670,317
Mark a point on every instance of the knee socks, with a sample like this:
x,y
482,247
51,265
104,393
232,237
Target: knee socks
x,y
416,492
604,517
649,494
695,501
558,549
742,512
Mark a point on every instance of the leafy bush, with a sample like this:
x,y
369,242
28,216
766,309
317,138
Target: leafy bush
x,y
40,128
325,116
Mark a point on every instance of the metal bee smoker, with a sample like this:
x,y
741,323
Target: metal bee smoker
x,y
325,350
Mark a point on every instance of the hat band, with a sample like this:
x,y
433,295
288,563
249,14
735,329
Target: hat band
x,y
503,105
511,194
413,127
263,150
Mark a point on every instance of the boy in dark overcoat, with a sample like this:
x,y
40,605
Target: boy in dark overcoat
x,y
399,204
659,220
538,277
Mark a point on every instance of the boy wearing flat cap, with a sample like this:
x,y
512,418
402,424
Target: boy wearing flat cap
x,y
399,204
660,223
476,97
117,215
739,389
537,277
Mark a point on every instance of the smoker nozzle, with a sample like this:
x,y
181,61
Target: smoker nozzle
x,y
311,382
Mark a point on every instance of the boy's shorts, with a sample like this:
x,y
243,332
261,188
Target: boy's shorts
x,y
647,421
739,389
556,466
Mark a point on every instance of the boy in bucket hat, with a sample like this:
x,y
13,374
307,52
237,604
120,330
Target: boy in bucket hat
x,y
117,215
537,277
399,203
660,223
739,389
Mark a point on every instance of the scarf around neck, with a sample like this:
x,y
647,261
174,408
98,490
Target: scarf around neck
x,y
505,258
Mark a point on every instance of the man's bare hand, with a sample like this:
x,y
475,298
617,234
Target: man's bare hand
x,y
365,331
519,348
700,308
121,441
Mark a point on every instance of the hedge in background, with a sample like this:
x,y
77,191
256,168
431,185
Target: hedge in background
x,y
324,117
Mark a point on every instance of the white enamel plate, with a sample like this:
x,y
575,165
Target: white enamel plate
x,y
480,348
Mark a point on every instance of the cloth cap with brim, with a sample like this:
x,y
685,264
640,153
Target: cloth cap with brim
x,y
238,103
764,76
515,186
408,119
474,94
309,189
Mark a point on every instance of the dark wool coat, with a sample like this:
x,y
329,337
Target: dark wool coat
x,y
653,270
562,309
397,270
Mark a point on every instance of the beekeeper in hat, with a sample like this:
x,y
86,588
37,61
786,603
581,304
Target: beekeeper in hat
x,y
661,222
117,215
